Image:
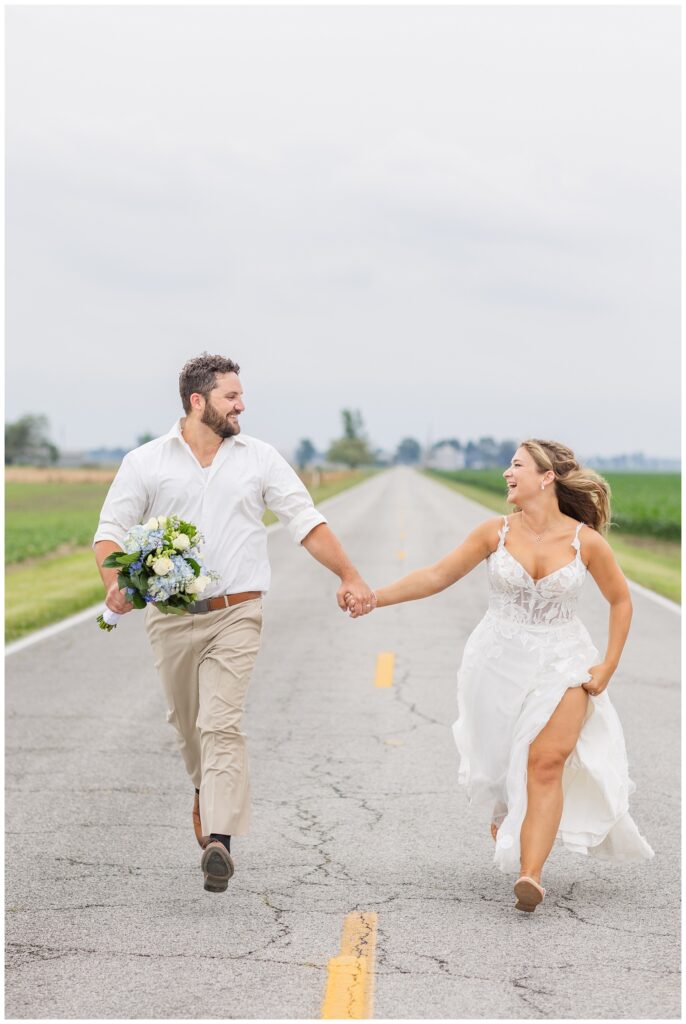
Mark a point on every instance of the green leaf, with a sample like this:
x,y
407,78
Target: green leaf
x,y
194,566
137,601
112,560
139,580
169,609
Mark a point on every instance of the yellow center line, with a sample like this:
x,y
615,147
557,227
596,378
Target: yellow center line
x,y
350,975
385,663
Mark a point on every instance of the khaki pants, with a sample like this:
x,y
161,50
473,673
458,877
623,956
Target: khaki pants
x,y
205,663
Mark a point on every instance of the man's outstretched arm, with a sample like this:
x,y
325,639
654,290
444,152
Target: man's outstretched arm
x,y
323,544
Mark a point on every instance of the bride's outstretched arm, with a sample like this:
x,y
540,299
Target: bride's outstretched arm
x,y
612,584
434,578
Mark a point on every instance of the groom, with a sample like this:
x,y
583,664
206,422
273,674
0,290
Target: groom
x,y
208,473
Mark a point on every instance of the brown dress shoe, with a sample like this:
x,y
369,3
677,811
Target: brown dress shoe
x,y
217,866
197,824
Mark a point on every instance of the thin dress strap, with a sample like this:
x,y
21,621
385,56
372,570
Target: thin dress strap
x,y
576,543
502,531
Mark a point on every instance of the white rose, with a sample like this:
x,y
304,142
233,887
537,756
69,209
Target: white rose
x,y
197,585
182,543
161,566
162,522
152,524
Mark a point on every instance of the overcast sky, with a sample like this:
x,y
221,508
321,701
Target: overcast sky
x,y
460,220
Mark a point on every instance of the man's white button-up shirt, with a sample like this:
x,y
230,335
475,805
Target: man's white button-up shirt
x,y
225,500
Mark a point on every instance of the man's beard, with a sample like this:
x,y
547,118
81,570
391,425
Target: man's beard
x,y
216,422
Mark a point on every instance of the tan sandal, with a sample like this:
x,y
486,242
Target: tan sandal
x,y
529,894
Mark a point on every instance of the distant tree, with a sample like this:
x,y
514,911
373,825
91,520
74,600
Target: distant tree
x,y
472,454
505,452
489,451
27,441
353,448
408,451
306,451
353,427
144,438
351,451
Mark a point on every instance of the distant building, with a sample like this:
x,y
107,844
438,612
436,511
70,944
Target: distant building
x,y
446,456
99,456
72,458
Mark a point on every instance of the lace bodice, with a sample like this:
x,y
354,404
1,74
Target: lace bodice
x,y
515,595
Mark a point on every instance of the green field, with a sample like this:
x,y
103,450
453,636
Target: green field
x,y
642,503
42,517
646,516
51,571
50,567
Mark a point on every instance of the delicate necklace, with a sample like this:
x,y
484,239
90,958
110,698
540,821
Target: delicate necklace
x,y
536,535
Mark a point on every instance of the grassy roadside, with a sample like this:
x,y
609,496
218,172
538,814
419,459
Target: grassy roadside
x,y
35,589
654,563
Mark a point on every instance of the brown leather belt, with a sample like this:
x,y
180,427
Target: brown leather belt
x,y
213,604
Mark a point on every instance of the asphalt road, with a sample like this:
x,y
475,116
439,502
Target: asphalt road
x,y
356,808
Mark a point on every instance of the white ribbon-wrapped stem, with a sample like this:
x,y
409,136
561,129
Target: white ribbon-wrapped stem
x,y
110,617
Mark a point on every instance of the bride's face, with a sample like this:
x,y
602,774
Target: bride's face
x,y
524,478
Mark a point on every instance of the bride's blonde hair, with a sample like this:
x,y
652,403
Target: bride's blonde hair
x,y
581,493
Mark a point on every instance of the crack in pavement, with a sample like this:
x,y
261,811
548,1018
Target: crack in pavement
x,y
521,987
401,680
576,916
37,950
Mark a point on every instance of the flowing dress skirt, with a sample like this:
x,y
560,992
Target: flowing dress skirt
x,y
511,679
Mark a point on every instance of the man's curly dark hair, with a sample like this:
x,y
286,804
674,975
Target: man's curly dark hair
x,y
199,376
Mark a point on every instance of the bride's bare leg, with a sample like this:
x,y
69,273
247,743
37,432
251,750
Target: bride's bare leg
x,y
547,756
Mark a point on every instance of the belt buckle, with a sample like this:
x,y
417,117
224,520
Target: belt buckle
x,y
201,607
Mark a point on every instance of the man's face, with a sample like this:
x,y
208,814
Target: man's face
x,y
224,405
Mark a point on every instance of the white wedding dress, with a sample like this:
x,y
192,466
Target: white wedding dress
x,y
517,664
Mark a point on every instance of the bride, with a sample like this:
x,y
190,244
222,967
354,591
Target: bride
x,y
537,734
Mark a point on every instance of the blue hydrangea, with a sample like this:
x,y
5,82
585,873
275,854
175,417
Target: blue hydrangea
x,y
181,569
138,539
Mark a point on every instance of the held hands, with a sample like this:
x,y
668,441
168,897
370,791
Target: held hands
x,y
600,677
355,597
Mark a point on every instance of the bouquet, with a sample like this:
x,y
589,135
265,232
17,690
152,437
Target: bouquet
x,y
160,565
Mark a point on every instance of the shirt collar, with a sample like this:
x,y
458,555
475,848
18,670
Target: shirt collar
x,y
175,432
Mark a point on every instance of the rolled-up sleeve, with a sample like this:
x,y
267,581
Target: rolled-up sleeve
x,y
288,498
125,504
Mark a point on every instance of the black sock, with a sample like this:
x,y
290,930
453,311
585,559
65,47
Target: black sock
x,y
226,840
198,792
